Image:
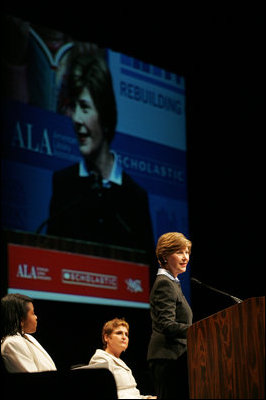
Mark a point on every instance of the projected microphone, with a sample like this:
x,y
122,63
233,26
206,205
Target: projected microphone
x,y
58,214
236,299
95,183
96,186
75,204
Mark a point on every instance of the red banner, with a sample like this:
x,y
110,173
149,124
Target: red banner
x,y
53,271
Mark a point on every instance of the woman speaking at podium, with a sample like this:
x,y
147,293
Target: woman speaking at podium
x,y
171,317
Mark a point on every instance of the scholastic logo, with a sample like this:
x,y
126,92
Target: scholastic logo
x,y
33,272
134,285
74,277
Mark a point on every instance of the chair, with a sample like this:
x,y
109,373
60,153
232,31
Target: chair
x,y
94,383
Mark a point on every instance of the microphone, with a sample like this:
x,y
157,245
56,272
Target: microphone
x,y
236,299
96,186
58,214
95,182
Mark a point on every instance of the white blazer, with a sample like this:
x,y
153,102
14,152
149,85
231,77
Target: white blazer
x,y
25,354
125,381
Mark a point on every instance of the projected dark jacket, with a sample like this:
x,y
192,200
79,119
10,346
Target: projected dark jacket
x,y
171,316
81,208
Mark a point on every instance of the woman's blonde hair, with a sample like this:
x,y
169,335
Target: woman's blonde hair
x,y
169,243
110,326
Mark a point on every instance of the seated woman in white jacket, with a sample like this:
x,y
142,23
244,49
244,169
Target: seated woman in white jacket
x,y
20,351
115,341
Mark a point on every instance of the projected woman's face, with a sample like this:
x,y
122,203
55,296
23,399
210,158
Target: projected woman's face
x,y
87,126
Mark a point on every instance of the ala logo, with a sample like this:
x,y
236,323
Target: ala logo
x,y
32,272
134,285
24,139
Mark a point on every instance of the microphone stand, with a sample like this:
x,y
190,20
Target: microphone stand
x,y
236,299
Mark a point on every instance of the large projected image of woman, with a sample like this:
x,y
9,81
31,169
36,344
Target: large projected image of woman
x,y
92,161
95,199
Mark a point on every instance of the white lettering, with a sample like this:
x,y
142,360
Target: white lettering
x,y
25,138
29,137
89,279
146,96
32,272
172,174
17,140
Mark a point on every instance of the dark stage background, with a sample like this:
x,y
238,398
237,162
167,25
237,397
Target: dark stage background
x,y
220,53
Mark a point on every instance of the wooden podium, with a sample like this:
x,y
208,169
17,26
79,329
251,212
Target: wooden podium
x,y
226,353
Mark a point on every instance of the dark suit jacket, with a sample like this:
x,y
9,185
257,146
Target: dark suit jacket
x,y
171,316
119,215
